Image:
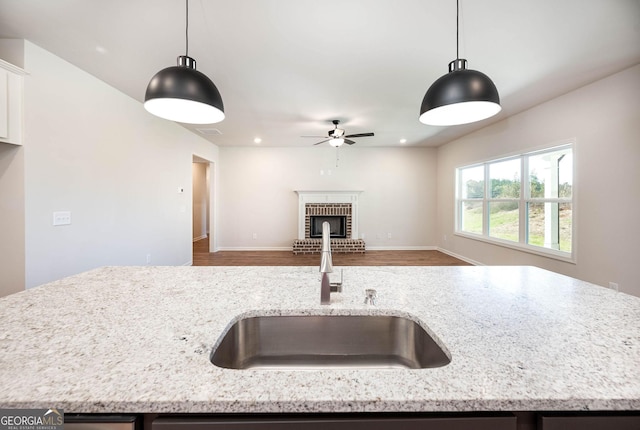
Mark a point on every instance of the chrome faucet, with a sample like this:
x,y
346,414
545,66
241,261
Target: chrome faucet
x,y
326,264
326,267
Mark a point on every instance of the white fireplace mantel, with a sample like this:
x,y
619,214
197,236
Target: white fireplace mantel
x,y
305,197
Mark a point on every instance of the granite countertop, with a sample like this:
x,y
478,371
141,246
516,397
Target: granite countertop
x,y
138,339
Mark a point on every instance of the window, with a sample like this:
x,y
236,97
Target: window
x,y
524,201
473,193
504,199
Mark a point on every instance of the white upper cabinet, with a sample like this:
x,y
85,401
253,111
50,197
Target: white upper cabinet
x,y
11,101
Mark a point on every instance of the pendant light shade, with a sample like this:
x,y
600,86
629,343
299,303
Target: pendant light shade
x,y
461,96
183,94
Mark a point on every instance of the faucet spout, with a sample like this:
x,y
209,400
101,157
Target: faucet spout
x,y
326,264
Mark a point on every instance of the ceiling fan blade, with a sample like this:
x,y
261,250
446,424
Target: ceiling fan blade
x,y
317,137
360,135
349,142
323,141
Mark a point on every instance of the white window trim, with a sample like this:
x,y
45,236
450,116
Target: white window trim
x,y
521,245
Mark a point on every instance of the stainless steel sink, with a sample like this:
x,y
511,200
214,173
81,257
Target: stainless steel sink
x,y
327,341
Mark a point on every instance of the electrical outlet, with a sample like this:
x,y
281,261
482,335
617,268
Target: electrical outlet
x,y
255,236
613,286
62,218
388,236
148,258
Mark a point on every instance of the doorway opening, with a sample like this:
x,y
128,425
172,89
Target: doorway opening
x,y
203,201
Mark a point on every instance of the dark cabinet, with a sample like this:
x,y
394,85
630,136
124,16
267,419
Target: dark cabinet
x,y
339,422
589,421
102,422
520,420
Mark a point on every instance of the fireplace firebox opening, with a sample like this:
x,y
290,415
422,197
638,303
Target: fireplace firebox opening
x,y
338,224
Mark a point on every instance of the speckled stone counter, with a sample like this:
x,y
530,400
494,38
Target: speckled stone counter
x,y
138,339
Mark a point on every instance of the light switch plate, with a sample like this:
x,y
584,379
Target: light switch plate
x,y
62,218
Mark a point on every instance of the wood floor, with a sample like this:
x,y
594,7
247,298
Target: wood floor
x,y
202,257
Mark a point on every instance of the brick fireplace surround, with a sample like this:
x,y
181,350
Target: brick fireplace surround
x,y
323,203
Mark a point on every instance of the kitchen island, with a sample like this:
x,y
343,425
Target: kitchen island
x,y
139,339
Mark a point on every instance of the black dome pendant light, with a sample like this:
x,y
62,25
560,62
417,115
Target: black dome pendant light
x,y
183,94
461,96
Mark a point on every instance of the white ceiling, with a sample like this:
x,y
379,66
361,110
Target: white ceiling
x,y
286,68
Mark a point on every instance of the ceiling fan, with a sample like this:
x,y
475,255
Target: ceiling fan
x,y
336,137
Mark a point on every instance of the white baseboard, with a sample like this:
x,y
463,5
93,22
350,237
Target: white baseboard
x,y
195,239
460,257
266,248
401,248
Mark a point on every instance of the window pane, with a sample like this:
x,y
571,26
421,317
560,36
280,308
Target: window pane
x,y
504,220
472,181
505,179
471,217
551,174
549,225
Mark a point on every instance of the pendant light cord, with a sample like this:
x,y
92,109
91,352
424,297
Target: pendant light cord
x,y
457,29
187,28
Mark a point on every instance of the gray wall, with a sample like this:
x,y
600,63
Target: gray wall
x,y
96,152
11,219
257,191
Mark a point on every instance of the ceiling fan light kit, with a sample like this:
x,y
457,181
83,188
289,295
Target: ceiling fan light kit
x,y
337,138
183,94
461,96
